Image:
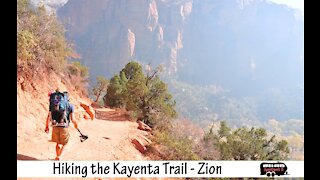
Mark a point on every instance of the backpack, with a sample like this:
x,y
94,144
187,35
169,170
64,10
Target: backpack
x,y
60,99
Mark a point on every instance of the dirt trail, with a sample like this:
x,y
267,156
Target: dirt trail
x,y
108,140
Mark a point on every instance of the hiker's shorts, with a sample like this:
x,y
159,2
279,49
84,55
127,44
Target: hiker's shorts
x,y
60,135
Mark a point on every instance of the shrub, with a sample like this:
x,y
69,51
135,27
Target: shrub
x,y
41,44
175,148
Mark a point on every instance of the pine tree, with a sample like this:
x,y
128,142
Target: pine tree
x,y
146,95
115,93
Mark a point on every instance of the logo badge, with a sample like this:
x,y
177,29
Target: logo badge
x,y
273,168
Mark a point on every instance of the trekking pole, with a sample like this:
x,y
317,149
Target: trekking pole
x,y
82,137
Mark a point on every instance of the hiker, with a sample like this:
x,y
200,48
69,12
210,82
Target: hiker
x,y
60,119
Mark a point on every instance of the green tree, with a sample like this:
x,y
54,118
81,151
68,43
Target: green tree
x,y
100,87
247,144
158,102
132,70
146,95
115,92
135,86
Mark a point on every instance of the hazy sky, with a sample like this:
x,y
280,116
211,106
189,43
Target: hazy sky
x,y
293,3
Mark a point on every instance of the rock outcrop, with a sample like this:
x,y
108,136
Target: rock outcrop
x,y
141,143
117,31
193,39
89,110
138,144
143,126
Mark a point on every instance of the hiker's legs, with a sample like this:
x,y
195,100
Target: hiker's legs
x,y
58,150
63,140
60,135
62,149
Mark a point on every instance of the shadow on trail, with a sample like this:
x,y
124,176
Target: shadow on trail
x,y
24,157
111,116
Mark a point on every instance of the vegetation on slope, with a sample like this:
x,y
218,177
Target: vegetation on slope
x,y
42,47
148,97
247,144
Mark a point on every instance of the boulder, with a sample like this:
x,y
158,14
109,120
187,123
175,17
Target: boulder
x,y
139,145
143,126
88,109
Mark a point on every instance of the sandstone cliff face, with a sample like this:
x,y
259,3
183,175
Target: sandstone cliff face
x,y
85,14
194,39
109,34
173,16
